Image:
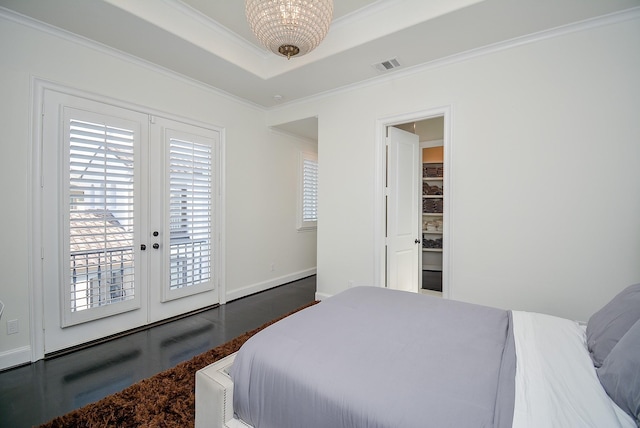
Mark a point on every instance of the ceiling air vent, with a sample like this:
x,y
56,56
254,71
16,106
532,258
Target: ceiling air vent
x,y
387,65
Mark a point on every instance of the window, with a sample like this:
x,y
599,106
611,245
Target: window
x,y
308,202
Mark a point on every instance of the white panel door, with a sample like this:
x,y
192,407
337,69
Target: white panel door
x,y
403,212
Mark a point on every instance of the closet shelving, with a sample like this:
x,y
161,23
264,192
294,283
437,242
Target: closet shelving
x,y
432,216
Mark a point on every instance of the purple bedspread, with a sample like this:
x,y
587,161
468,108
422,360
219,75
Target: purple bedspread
x,y
373,357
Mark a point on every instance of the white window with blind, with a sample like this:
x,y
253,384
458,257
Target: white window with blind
x,y
126,214
308,194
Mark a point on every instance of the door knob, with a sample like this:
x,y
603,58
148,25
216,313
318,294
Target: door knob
x,y
143,247
417,241
156,246
155,233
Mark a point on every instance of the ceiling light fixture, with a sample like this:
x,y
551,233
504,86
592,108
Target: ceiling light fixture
x,y
289,27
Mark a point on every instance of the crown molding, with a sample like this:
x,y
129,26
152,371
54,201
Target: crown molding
x,y
277,131
608,19
207,21
118,54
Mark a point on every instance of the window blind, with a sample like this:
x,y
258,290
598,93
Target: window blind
x,y
309,190
101,214
190,209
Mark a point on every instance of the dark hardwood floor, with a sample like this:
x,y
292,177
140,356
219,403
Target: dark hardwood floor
x,y
38,392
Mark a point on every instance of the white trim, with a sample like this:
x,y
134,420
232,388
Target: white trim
x,y
115,53
612,18
271,283
42,84
277,131
36,307
15,357
366,11
220,227
379,239
322,296
431,143
216,27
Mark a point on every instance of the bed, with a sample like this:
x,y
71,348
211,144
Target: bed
x,y
376,358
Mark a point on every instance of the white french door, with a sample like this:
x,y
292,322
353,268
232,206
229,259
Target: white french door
x,y
127,219
403,219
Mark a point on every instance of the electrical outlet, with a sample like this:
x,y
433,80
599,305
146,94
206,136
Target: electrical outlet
x,y
12,326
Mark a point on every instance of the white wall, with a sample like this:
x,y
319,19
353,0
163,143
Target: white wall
x,y
545,149
261,166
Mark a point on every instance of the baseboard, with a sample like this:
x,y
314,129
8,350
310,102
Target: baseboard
x,y
322,296
266,285
15,357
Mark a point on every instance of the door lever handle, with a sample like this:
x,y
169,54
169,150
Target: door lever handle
x,y
417,241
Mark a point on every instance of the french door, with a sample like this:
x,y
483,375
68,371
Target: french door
x,y
128,219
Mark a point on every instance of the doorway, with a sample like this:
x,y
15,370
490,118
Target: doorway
x,y
426,182
430,134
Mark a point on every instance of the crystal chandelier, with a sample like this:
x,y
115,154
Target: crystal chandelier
x,y
289,27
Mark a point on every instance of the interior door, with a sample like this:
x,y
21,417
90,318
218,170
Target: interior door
x,y
403,220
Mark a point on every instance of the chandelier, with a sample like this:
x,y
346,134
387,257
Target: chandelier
x,y
289,27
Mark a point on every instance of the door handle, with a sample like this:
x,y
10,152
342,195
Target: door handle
x,y
156,246
143,247
417,241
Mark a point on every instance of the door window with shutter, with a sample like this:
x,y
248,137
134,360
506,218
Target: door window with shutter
x,y
190,161
101,215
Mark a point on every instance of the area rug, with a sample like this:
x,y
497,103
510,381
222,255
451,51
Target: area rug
x,y
164,400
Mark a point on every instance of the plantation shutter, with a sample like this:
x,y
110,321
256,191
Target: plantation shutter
x,y
310,190
308,208
190,210
101,214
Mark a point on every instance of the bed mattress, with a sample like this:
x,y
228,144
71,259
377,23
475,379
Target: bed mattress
x,y
378,358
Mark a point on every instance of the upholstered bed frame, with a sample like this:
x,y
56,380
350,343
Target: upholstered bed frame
x,y
214,383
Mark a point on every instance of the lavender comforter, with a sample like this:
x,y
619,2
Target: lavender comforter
x,y
373,357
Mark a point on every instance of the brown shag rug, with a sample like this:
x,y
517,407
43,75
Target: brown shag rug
x,y
164,400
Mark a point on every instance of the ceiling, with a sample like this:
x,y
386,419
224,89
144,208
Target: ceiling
x,y
210,41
